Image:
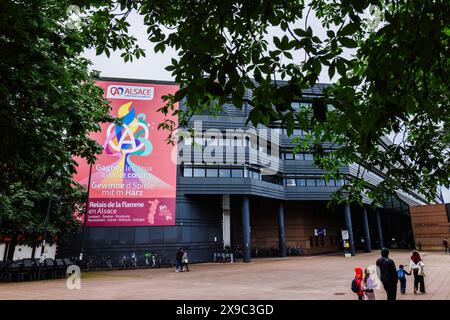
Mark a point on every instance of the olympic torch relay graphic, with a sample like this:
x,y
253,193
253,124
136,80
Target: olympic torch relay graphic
x,y
133,182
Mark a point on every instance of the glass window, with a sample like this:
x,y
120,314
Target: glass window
x,y
212,172
237,142
295,105
339,183
187,172
297,132
198,141
272,179
277,130
288,156
320,182
237,173
199,172
305,104
226,141
224,173
298,156
290,183
301,182
308,156
310,182
188,140
212,141
255,175
331,183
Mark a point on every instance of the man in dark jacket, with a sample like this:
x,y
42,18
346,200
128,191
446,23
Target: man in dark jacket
x,y
388,274
179,258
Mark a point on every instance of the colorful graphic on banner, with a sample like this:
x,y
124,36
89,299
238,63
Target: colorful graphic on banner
x,y
133,182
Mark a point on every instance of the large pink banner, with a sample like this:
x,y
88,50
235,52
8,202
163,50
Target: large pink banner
x,y
133,182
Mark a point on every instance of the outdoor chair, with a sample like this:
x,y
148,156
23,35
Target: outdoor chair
x,y
39,266
50,268
68,262
4,265
60,268
16,272
29,268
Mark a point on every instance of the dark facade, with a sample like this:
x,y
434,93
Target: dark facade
x,y
254,210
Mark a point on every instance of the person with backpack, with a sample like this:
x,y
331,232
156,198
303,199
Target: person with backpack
x,y
388,274
356,283
402,273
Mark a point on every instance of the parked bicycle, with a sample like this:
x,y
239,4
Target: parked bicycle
x,y
152,260
294,251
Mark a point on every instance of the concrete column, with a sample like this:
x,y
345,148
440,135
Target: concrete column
x,y
246,229
2,251
226,221
368,245
379,229
281,230
348,223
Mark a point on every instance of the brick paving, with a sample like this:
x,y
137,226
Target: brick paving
x,y
313,278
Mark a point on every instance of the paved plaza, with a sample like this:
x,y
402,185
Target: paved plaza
x,y
326,277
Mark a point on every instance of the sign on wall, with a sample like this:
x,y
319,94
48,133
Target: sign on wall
x,y
320,232
346,243
133,182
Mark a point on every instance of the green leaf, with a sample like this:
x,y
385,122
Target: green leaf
x,y
331,70
348,42
349,29
301,33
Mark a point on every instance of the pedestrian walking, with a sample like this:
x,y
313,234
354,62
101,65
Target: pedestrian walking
x,y
356,283
388,274
445,245
185,261
402,273
179,258
367,286
416,265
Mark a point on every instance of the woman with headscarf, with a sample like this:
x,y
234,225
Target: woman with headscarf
x,y
367,286
416,265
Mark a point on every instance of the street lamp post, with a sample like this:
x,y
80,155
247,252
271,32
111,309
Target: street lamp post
x,y
85,213
47,216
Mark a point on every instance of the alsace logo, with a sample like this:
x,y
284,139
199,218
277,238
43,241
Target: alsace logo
x,y
130,92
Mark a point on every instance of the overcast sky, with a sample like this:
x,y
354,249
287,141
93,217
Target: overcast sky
x,y
152,66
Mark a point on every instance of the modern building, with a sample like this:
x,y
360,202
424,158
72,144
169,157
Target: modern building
x,y
246,189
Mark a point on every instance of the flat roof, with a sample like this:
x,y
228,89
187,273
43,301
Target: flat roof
x,y
137,80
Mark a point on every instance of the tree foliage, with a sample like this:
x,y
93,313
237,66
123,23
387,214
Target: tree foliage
x,y
48,105
395,83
